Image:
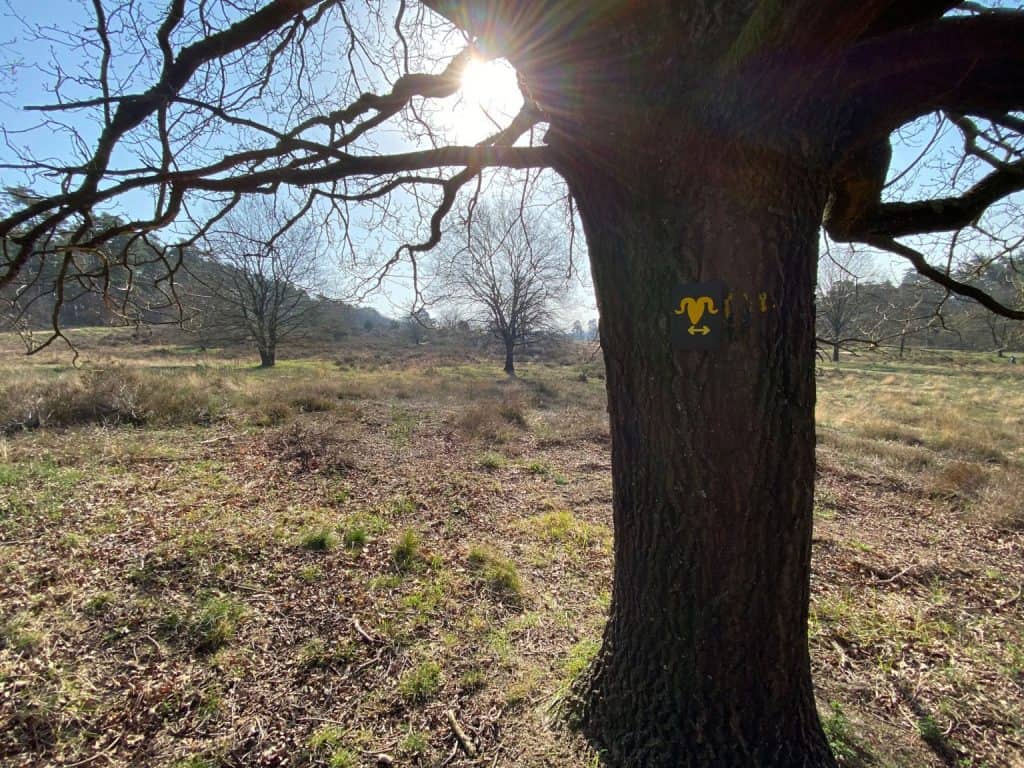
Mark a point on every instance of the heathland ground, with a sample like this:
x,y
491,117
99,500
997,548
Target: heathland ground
x,y
371,556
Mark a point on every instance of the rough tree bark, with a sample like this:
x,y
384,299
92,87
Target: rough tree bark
x,y
704,659
510,362
713,462
267,358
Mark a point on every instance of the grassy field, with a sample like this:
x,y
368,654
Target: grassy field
x,y
207,564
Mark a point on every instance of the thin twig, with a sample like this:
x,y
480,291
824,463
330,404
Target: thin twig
x,y
1010,600
464,742
366,636
899,575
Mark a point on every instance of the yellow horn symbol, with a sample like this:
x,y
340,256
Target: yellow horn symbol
x,y
694,309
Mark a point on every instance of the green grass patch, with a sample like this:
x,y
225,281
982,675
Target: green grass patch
x,y
414,743
98,604
472,680
319,653
20,635
217,621
498,575
420,683
492,461
321,539
580,657
406,555
563,527
839,733
403,506
355,537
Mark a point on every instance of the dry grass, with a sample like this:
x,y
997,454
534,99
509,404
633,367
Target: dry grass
x,y
1001,502
324,568
107,396
308,447
961,480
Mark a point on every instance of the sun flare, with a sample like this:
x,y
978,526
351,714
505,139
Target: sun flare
x,y
490,97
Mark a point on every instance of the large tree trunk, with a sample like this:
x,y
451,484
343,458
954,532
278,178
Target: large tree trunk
x,y
704,660
835,352
267,358
510,362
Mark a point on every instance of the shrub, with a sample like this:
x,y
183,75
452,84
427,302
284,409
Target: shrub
x,y
272,414
961,479
107,396
314,399
1001,503
308,448
512,409
163,400
485,420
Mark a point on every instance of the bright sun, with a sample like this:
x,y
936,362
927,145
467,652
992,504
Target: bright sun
x,y
489,94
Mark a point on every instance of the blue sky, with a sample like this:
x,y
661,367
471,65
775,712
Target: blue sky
x,y
463,121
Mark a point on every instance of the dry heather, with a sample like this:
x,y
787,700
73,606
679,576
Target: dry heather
x,y
334,558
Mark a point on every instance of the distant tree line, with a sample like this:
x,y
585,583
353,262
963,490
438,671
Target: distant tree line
x,y
255,277
853,310
251,279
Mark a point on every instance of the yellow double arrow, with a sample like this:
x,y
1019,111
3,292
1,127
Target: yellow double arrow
x,y
694,309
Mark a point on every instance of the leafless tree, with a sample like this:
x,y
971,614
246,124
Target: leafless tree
x,y
699,141
914,307
262,265
842,304
988,329
510,272
451,318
